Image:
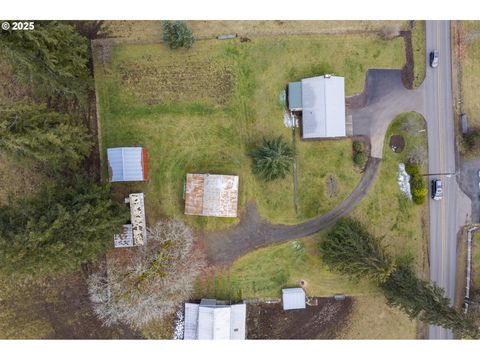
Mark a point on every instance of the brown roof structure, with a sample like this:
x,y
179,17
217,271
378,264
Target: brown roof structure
x,y
211,195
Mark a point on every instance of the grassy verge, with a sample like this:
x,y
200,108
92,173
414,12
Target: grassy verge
x,y
372,318
201,110
471,72
385,210
476,260
419,57
470,79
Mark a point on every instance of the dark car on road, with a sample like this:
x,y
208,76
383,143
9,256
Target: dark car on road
x,y
437,192
434,59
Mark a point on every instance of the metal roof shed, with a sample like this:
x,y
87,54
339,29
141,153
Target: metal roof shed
x,y
323,100
211,195
293,298
127,164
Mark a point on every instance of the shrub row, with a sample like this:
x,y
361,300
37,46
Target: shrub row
x,y
417,183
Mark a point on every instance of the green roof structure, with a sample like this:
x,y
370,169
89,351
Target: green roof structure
x,y
295,95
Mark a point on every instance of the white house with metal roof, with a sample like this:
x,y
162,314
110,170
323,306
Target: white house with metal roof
x,y
210,321
321,100
293,298
127,164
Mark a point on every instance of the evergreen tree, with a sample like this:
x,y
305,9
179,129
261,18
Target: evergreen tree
x,y
273,159
424,301
176,34
53,58
63,226
49,137
351,250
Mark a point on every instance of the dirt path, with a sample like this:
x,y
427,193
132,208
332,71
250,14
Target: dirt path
x,y
252,232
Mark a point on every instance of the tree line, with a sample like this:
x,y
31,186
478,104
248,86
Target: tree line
x,y
351,250
68,221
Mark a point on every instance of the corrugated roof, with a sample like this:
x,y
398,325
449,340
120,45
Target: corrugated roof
x,y
238,319
295,95
190,322
125,239
211,195
293,298
323,99
137,218
214,322
127,164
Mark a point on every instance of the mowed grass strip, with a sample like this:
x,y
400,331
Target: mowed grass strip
x,y
419,57
190,123
476,260
470,79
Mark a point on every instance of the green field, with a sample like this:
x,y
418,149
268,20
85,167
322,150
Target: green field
x,y
385,211
263,273
203,109
470,75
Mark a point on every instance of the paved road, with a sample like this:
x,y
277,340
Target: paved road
x,y
386,98
447,215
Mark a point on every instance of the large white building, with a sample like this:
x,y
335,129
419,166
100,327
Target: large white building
x,y
321,100
209,321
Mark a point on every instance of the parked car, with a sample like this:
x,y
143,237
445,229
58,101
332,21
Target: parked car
x,y
437,192
434,58
478,173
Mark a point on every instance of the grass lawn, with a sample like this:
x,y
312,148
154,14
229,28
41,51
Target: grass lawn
x,y
470,79
263,273
385,210
203,109
476,260
419,59
372,318
151,31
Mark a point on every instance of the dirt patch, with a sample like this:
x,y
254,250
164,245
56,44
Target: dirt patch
x,y
408,74
397,143
188,82
59,304
270,321
332,186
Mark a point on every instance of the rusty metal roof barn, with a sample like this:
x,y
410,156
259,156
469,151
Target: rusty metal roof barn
x,y
209,321
211,195
127,164
322,102
134,234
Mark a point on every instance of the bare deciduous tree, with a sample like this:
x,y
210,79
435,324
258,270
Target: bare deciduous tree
x,y
153,282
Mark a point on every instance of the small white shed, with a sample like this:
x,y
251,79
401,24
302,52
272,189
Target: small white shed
x,y
293,298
